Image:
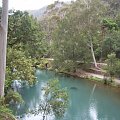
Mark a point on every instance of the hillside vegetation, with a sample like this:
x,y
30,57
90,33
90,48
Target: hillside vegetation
x,y
73,36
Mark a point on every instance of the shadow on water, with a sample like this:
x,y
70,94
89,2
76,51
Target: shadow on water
x,y
73,88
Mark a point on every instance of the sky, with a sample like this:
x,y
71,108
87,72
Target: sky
x,y
29,4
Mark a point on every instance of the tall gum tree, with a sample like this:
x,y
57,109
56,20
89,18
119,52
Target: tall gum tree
x,y
88,2
92,16
3,44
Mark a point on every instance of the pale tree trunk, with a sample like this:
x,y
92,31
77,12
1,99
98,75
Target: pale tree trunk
x,y
93,55
87,2
3,44
90,45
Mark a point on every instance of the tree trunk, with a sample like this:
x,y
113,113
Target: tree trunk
x,y
93,55
3,44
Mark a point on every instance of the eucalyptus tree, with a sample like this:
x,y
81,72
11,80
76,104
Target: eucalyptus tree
x,y
79,31
3,44
91,24
68,46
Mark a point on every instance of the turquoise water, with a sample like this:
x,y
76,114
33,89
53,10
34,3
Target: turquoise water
x,y
88,100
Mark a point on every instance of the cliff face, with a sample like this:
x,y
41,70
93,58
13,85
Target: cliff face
x,y
37,13
55,8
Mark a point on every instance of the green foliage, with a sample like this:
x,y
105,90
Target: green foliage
x,y
6,114
14,97
25,44
111,42
53,15
118,68
69,66
55,100
19,67
110,24
110,35
113,65
71,31
77,33
43,63
24,32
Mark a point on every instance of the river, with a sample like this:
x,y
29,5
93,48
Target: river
x,y
88,100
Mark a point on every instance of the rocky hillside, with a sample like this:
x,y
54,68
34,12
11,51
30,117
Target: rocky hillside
x,y
38,13
55,8
49,17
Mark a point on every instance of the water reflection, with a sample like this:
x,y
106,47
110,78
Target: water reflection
x,y
93,110
93,105
88,101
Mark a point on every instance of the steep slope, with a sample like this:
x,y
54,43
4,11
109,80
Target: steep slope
x,y
51,17
38,13
48,9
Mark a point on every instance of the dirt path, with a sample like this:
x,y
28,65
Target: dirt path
x,y
98,73
84,74
101,77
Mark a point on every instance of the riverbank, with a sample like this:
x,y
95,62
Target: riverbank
x,y
93,74
95,77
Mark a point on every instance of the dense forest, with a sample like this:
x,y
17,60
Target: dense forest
x,y
74,35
